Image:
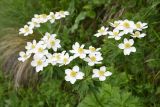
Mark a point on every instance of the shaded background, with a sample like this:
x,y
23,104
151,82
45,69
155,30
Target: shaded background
x,y
136,78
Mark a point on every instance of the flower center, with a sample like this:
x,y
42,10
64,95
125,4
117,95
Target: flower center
x,y
52,43
53,17
127,45
116,24
33,46
101,30
115,33
38,16
93,58
26,29
35,23
40,49
137,34
57,56
25,56
65,60
126,25
92,49
39,62
101,73
80,50
73,74
138,25
62,12
44,16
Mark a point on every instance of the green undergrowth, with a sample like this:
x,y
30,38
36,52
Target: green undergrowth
x,y
136,78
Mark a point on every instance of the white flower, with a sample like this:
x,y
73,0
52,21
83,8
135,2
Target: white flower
x,y
115,23
43,18
115,34
57,57
37,18
93,50
65,58
51,59
46,37
137,34
73,74
39,62
101,31
61,14
101,73
41,49
53,43
23,56
127,26
140,26
34,23
127,46
78,50
31,46
51,17
26,30
94,59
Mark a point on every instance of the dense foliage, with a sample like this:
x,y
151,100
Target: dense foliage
x,y
135,80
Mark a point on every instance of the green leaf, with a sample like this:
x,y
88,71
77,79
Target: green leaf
x,y
109,96
79,18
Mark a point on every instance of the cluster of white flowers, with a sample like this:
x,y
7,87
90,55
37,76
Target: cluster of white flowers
x,y
41,55
45,51
39,19
94,56
121,28
73,74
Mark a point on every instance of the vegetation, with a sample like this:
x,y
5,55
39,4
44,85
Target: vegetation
x,y
135,80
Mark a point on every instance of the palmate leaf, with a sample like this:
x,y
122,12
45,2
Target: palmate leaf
x,y
109,96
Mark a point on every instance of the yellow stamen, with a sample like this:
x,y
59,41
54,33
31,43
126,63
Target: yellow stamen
x,y
44,16
126,25
101,73
136,33
57,56
52,16
65,60
73,73
93,58
101,30
62,12
115,33
92,49
39,62
52,43
25,56
80,50
40,49
127,45
33,46
116,24
138,25
26,29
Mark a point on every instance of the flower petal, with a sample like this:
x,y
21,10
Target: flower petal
x,y
67,71
103,68
102,78
121,46
107,73
127,51
75,68
80,75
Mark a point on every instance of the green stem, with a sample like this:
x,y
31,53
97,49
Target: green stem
x,y
97,99
59,27
39,32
